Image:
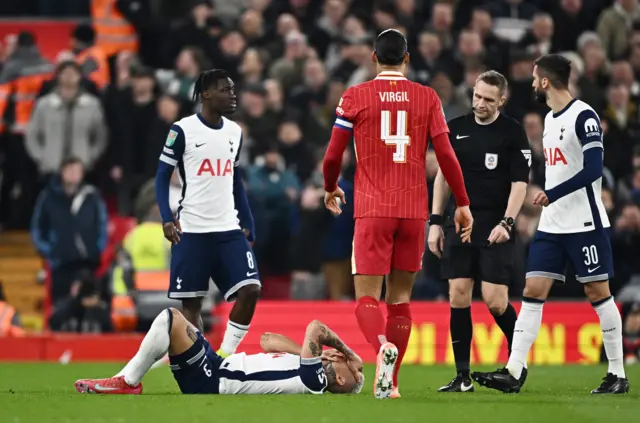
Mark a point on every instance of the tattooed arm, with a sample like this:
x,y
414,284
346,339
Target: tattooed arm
x,y
275,343
319,335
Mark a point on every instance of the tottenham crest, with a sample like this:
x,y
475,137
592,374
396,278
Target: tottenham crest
x,y
491,161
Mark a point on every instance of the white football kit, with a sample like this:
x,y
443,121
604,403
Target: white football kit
x,y
206,158
212,245
563,148
271,374
573,228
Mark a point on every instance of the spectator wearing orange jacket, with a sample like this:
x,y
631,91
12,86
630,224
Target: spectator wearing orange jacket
x,y
9,318
92,59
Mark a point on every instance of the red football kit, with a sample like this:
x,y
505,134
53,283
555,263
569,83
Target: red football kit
x,y
391,120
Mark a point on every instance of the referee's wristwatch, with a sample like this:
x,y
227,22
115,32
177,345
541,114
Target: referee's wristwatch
x,y
436,219
507,223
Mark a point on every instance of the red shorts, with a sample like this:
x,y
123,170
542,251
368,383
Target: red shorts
x,y
384,243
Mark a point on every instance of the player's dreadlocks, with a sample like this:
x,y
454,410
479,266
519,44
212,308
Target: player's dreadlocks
x,y
206,80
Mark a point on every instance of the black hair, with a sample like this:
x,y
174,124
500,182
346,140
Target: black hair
x,y
26,39
84,33
70,161
391,47
556,68
206,80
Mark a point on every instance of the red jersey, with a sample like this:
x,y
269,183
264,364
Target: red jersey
x,y
392,119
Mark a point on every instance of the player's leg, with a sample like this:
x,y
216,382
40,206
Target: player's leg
x,y
235,272
155,344
189,280
547,259
460,266
496,264
591,256
406,260
371,260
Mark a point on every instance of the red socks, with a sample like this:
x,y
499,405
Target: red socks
x,y
398,331
371,321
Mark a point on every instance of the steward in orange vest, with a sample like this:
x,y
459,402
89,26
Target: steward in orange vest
x,y
113,32
92,59
9,320
20,82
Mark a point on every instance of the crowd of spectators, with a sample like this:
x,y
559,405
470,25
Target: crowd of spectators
x,y
291,60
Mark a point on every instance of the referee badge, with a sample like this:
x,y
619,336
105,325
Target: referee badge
x,y
491,161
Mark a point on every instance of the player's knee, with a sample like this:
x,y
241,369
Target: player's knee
x,y
497,307
597,291
176,319
249,294
192,305
534,290
459,295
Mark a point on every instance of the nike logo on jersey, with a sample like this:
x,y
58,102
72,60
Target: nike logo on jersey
x,y
465,388
200,145
98,387
459,137
251,274
594,269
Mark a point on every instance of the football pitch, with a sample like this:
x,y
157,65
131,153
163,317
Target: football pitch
x,y
43,393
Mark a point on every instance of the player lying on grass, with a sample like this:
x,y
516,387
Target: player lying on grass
x,y
284,368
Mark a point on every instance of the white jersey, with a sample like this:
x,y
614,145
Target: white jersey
x,y
567,134
271,374
206,158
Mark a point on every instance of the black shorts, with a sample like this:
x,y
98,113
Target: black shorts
x,y
493,264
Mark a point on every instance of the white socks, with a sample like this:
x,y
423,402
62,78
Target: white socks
x,y
153,347
524,334
611,324
232,337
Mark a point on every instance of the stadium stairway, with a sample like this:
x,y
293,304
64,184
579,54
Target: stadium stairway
x,y
19,267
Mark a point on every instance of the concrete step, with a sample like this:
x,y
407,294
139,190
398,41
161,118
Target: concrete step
x,y
15,264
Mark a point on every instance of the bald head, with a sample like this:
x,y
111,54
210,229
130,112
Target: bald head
x,y
340,379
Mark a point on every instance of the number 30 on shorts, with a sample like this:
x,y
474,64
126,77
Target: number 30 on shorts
x,y
401,140
590,255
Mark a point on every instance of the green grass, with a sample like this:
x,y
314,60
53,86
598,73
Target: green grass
x,y
43,393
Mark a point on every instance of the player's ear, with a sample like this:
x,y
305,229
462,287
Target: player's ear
x,y
374,57
406,59
340,380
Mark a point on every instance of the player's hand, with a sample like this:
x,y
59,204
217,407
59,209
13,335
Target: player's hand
x,y
499,234
464,223
436,240
354,362
332,201
541,199
332,355
172,231
247,233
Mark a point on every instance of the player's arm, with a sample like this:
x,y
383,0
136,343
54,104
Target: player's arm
x,y
520,164
241,201
171,154
318,335
340,137
276,343
449,165
589,132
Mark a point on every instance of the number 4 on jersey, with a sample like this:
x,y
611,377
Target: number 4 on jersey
x,y
401,140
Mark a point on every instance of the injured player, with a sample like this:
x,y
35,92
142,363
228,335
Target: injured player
x,y
284,368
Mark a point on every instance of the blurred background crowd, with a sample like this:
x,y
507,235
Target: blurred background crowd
x,y
81,135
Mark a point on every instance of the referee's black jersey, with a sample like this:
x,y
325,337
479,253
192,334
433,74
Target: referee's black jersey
x,y
491,156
